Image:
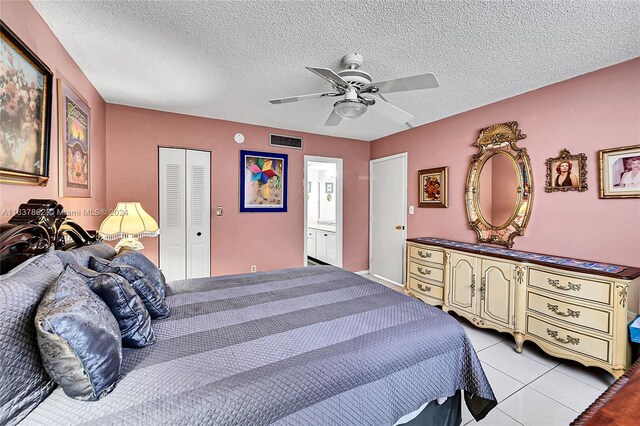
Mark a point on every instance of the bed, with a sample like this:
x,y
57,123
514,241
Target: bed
x,y
316,345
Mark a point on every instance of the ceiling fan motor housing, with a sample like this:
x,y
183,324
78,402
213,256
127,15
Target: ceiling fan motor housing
x,y
356,78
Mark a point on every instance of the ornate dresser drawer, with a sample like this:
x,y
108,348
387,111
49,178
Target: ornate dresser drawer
x,y
428,273
571,286
570,313
566,339
426,254
426,289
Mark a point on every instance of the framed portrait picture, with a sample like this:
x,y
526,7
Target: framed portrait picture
x,y
620,172
25,113
432,187
566,172
263,181
74,116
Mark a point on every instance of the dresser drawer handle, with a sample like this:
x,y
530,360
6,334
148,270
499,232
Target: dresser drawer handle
x,y
569,339
424,271
424,255
571,286
424,288
570,312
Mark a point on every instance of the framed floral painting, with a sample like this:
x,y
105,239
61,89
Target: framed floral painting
x,y
620,172
263,181
25,113
74,116
432,186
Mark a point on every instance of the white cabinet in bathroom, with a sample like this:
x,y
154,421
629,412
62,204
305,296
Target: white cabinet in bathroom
x,y
322,245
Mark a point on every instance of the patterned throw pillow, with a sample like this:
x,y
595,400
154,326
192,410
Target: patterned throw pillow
x,y
24,383
141,262
124,303
152,300
79,339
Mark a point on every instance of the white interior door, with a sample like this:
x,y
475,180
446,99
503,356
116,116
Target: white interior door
x,y
388,203
185,218
171,170
198,207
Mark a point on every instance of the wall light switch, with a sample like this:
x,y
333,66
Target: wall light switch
x,y
219,211
411,209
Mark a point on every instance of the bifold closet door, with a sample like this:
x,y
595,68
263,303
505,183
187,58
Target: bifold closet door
x,y
184,200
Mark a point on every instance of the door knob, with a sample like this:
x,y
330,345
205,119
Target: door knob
x,y
399,227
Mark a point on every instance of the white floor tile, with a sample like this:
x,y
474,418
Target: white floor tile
x,y
532,351
478,341
496,418
593,376
567,391
503,386
505,359
532,408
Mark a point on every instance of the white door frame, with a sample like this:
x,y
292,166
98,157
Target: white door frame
x,y
339,198
404,157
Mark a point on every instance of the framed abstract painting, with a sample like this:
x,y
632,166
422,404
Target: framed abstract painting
x,y
25,113
74,116
263,181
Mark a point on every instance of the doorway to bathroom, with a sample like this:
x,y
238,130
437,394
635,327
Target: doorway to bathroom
x,y
323,211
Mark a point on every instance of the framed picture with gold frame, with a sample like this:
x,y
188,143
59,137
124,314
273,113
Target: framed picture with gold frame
x,y
74,116
25,113
432,187
567,172
619,171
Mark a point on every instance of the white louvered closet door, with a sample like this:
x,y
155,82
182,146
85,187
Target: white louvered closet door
x,y
184,193
198,214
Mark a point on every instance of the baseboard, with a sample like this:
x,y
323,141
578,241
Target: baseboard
x,y
365,272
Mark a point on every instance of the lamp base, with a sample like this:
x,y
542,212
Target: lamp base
x,y
129,244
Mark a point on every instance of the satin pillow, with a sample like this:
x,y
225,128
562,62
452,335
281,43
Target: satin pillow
x,y
82,254
123,302
141,262
79,339
152,300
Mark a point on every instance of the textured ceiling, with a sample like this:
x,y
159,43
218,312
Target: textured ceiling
x,y
227,59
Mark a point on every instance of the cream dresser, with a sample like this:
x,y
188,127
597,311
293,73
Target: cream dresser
x,y
571,308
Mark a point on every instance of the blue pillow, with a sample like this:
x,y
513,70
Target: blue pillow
x,y
79,339
141,262
123,302
82,254
152,300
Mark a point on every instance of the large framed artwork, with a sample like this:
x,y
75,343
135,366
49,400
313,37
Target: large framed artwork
x,y
25,113
620,172
74,116
263,181
432,187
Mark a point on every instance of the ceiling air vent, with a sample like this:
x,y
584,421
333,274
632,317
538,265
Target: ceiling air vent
x,y
285,141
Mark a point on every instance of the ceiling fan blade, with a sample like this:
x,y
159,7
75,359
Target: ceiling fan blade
x,y
330,76
301,98
333,120
417,82
391,112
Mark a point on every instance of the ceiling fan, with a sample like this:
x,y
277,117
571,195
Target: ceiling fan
x,y
352,83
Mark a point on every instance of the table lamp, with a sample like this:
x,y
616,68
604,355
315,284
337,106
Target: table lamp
x,y
129,222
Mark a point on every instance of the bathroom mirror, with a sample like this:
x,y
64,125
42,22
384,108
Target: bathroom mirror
x,y
499,190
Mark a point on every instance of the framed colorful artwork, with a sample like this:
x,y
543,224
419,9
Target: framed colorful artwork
x,y
432,186
567,172
620,172
263,181
25,113
74,116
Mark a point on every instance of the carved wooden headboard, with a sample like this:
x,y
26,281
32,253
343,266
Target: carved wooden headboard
x,y
37,226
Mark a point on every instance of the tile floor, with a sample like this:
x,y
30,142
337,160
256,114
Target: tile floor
x,y
532,388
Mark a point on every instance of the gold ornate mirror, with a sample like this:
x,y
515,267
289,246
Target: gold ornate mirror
x,y
499,190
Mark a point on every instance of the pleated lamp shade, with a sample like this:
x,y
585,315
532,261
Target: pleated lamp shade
x,y
128,220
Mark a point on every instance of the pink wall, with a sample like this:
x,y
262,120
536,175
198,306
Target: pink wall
x,y
23,19
591,112
238,240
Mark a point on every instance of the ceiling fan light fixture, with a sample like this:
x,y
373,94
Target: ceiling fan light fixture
x,y
350,109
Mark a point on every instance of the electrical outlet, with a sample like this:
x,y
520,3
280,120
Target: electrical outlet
x,y
253,268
